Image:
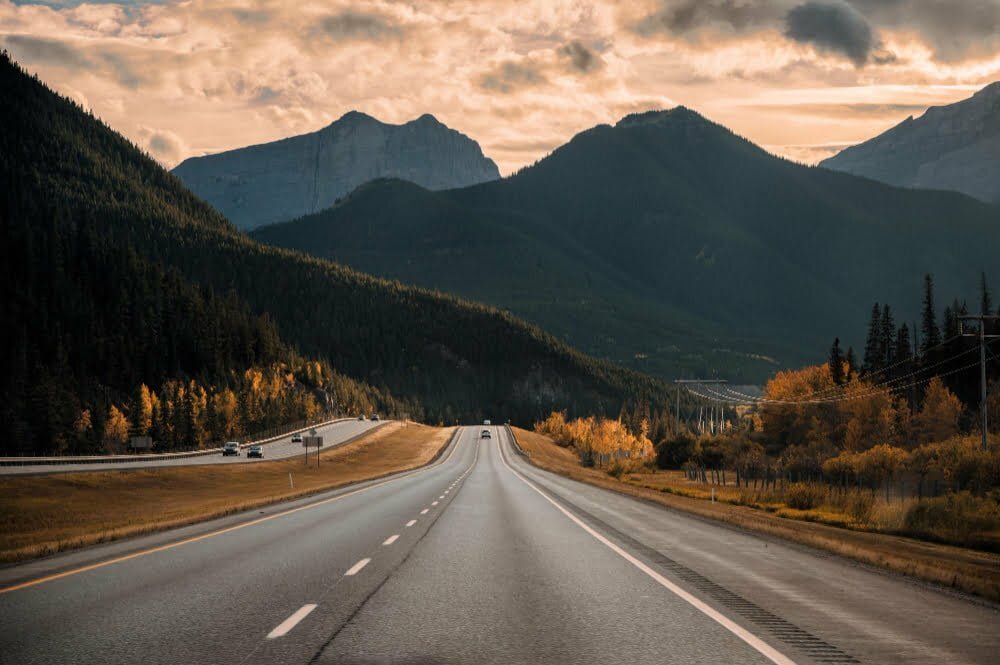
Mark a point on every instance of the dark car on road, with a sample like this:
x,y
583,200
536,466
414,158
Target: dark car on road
x,y
255,451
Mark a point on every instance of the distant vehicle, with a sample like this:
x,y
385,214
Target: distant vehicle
x,y
486,434
255,451
362,417
487,422
296,438
374,417
231,448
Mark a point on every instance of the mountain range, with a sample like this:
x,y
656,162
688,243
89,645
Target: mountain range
x,y
295,176
954,147
118,275
669,244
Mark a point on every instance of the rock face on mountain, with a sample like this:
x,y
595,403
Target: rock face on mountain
x,y
277,181
953,147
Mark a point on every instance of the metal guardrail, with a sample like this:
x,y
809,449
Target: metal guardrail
x,y
513,439
148,457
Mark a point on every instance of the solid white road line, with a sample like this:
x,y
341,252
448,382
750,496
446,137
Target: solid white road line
x,y
391,539
356,568
291,621
424,511
752,640
411,522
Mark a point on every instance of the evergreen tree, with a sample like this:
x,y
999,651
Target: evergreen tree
x,y
836,362
950,320
872,360
929,326
852,362
887,337
904,348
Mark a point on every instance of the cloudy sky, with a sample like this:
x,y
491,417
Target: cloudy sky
x,y
800,77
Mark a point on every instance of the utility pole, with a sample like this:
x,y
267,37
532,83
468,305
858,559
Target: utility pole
x,y
679,383
982,318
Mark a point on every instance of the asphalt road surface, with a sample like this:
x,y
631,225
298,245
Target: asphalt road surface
x,y
333,434
479,558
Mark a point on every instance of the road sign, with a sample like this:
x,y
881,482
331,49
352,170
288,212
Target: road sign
x,y
141,443
312,442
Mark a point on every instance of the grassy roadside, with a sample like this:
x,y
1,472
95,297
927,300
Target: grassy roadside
x,y
41,515
964,569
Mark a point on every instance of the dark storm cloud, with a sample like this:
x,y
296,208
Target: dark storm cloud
x,y
580,57
511,76
832,26
162,144
44,51
955,29
686,18
251,17
350,24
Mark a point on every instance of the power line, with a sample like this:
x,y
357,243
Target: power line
x,y
844,398
884,384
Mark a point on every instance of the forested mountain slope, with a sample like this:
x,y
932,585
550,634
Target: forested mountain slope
x,y
667,242
118,275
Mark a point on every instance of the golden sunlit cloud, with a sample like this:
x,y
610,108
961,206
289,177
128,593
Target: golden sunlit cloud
x,y
801,77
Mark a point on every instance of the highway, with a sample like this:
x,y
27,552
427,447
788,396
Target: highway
x,y
478,558
334,434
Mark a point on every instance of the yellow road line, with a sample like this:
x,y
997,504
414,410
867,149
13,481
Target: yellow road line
x,y
212,534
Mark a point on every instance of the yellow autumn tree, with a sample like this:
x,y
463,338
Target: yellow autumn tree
x,y
225,409
115,430
787,417
939,416
142,410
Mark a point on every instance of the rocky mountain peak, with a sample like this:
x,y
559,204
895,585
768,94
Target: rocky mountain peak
x,y
956,147
275,182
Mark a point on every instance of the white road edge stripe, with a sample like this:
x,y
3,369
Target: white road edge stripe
x,y
755,642
356,568
391,539
291,621
411,522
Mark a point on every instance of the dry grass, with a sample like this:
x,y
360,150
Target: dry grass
x,y
964,569
44,514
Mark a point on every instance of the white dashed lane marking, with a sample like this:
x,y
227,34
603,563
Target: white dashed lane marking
x,y
290,622
356,568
